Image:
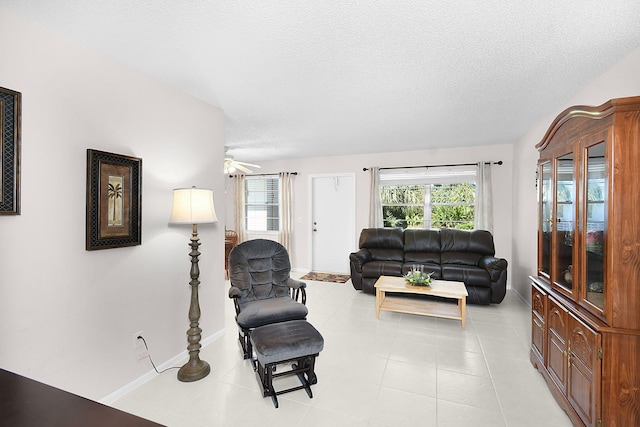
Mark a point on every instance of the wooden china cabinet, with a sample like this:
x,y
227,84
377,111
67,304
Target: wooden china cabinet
x,y
585,299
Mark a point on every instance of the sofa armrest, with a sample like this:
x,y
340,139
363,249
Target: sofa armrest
x,y
358,259
495,266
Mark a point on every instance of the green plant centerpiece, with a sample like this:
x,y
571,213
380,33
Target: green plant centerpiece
x,y
417,277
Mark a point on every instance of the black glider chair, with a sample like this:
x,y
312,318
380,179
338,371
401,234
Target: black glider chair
x,y
261,289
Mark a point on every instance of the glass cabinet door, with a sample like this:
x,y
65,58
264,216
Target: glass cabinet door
x,y
546,221
595,223
565,221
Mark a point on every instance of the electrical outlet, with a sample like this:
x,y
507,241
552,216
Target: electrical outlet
x,y
142,353
137,342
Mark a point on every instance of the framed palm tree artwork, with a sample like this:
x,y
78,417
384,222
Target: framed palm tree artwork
x,y
114,200
10,113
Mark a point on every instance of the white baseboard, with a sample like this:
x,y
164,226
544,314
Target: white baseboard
x,y
121,392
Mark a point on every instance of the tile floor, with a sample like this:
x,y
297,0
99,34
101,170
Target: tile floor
x,y
400,370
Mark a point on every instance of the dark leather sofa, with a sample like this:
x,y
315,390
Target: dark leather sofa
x,y
451,254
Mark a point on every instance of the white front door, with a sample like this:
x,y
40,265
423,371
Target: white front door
x,y
333,222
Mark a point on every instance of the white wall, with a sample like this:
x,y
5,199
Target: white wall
x,y
622,80
67,316
301,257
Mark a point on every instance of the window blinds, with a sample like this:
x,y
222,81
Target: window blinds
x,y
439,175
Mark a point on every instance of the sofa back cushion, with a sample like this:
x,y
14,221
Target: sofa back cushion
x,y
465,247
384,244
422,246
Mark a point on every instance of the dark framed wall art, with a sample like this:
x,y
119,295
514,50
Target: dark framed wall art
x,y
114,200
10,116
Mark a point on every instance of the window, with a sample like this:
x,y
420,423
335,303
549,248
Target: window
x,y
435,198
453,205
403,205
261,195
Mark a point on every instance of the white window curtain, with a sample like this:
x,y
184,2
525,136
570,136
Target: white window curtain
x,y
375,210
238,198
286,209
484,198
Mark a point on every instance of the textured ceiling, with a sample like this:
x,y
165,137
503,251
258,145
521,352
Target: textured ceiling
x,y
332,77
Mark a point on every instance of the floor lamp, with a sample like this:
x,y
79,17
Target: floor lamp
x,y
193,206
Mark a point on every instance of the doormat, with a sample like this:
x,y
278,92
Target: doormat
x,y
326,277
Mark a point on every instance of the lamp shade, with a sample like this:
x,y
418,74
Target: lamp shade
x,y
192,206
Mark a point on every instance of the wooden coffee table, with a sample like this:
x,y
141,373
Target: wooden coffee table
x,y
389,288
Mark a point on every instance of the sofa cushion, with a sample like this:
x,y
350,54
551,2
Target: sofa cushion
x,y
384,244
390,238
386,254
382,268
460,258
422,246
422,257
475,241
465,247
468,274
420,240
425,267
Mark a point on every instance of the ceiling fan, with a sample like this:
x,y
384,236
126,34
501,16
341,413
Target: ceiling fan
x,y
231,165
